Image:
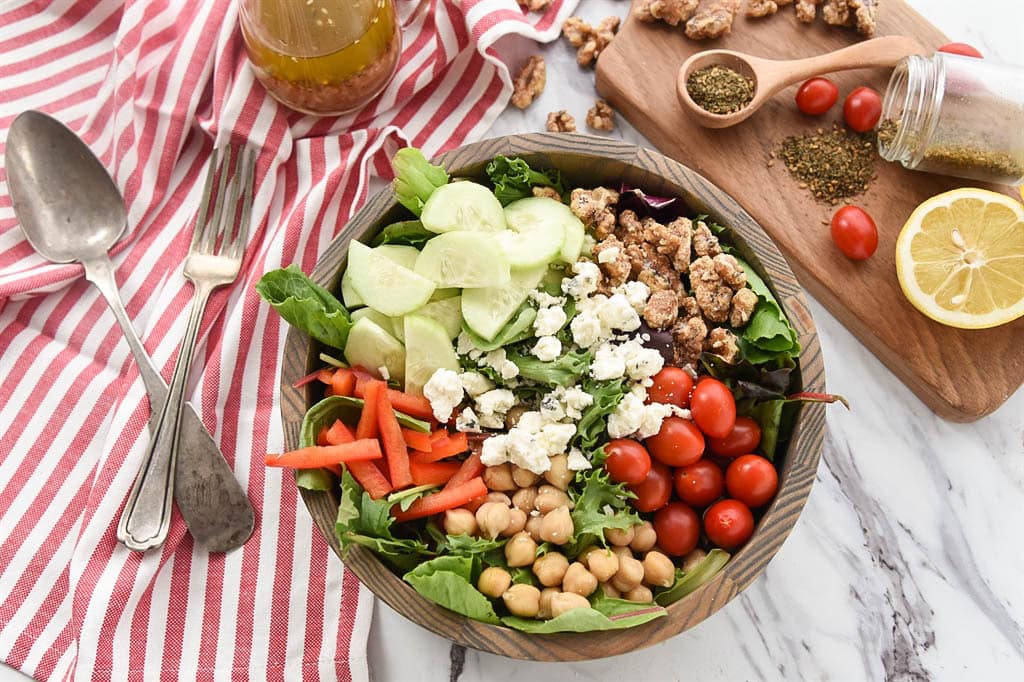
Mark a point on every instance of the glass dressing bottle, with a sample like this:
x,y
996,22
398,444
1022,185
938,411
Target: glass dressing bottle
x,y
322,57
955,115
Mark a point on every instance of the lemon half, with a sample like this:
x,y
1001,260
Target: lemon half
x,y
960,258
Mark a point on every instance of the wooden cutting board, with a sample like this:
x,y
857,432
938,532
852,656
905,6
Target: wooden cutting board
x,y
962,375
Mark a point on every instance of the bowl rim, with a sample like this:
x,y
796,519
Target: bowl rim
x,y
796,477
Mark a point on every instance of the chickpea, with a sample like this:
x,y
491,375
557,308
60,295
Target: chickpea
x,y
524,499
459,521
559,474
513,416
500,498
603,563
644,537
516,522
499,477
622,552
629,575
524,478
639,594
691,560
533,526
567,601
494,581
618,536
549,497
545,601
610,591
520,550
550,569
492,518
659,570
579,580
556,527
522,600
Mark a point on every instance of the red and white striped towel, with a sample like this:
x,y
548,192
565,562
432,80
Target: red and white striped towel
x,y
152,86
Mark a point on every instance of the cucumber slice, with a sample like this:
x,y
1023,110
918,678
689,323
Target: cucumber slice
x,y
487,310
379,319
370,346
403,255
463,206
429,349
448,313
536,231
463,259
572,247
383,284
441,294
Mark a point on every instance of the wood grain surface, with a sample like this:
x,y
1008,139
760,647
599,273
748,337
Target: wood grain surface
x,y
961,374
587,161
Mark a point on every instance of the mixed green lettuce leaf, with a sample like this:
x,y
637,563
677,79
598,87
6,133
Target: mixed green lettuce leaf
x,y
306,305
415,178
513,179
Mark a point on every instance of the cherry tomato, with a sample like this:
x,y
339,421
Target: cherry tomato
x,y
961,49
627,462
816,96
678,443
744,438
752,480
699,484
854,232
728,523
678,528
713,408
654,492
672,386
862,109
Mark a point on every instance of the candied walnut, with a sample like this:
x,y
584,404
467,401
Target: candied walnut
x,y
601,116
705,243
713,19
589,40
688,307
561,122
611,257
672,240
730,271
743,302
761,8
535,5
654,269
630,229
713,295
549,192
662,309
689,335
642,11
672,12
529,82
864,15
836,12
722,342
594,208
806,10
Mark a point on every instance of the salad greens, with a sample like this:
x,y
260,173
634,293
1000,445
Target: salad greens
x,y
514,179
593,424
518,328
566,370
448,581
404,232
599,504
415,178
367,522
306,305
604,613
768,336
688,582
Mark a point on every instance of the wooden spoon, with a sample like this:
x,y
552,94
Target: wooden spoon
x,y
771,75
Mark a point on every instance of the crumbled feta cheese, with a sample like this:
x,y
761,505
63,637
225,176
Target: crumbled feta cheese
x,y
547,348
494,450
577,461
549,321
618,313
384,373
531,422
551,408
588,244
465,346
524,451
545,300
467,421
497,360
608,255
444,391
554,438
636,293
627,417
492,421
586,329
585,281
576,400
495,401
475,383
607,364
642,362
654,414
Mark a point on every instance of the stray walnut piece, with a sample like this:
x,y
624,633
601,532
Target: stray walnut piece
x,y
601,116
529,82
672,12
535,5
561,122
713,19
589,40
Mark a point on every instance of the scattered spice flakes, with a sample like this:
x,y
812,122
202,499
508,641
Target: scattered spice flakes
x,y
832,164
719,89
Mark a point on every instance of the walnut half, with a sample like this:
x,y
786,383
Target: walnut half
x,y
529,82
601,116
561,122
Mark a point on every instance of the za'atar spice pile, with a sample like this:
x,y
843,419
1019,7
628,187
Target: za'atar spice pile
x,y
833,164
719,89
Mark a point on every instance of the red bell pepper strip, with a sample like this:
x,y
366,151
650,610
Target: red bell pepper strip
x,y
412,405
475,503
368,427
394,445
321,437
318,456
442,501
363,376
370,478
454,444
432,473
471,468
416,440
438,434
343,382
339,433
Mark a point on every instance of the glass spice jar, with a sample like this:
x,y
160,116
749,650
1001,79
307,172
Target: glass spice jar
x,y
322,57
957,116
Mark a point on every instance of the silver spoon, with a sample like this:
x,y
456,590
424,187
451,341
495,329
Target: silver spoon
x,y
70,210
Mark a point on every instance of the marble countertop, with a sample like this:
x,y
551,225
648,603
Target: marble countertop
x,y
906,562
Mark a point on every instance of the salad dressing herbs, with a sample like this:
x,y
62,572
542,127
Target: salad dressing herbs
x,y
833,164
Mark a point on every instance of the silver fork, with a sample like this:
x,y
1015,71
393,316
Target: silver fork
x,y
214,260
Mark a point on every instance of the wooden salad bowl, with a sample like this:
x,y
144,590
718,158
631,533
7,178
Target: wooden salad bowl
x,y
586,162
